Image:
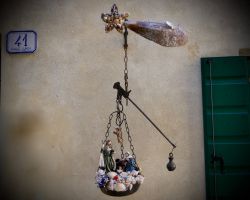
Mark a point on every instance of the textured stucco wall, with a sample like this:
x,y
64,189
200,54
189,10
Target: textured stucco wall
x,y
56,101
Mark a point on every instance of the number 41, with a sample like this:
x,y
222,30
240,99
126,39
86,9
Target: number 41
x,y
20,39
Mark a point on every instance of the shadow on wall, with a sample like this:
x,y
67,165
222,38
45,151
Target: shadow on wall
x,y
18,131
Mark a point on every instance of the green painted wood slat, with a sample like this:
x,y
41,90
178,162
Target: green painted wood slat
x,y
231,116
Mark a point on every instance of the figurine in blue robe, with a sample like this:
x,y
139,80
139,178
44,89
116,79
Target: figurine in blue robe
x,y
131,164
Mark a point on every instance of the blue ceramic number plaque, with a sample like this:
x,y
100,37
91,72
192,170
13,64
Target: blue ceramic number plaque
x,y
21,41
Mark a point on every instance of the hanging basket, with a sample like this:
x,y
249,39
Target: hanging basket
x,y
120,176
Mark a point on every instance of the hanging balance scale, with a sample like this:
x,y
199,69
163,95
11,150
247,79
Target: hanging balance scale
x,y
122,176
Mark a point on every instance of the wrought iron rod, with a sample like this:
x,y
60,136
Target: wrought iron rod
x,y
121,92
174,146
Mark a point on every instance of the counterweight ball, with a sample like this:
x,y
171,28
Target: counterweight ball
x,y
171,165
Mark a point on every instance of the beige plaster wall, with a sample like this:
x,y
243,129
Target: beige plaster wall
x,y
56,101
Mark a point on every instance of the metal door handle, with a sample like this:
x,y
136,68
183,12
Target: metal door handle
x,y
216,158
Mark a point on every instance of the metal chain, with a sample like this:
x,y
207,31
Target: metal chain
x,y
119,108
126,61
119,121
108,126
130,139
122,148
126,69
120,118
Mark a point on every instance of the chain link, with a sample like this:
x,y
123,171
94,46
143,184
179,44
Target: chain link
x,y
119,108
126,69
122,149
132,148
119,121
120,118
108,126
126,61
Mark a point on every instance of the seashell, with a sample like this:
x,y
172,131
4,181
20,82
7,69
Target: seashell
x,y
124,174
139,179
110,185
111,175
120,187
133,181
129,185
134,173
101,172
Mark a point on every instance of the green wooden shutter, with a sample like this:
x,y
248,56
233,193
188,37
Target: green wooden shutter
x,y
229,120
